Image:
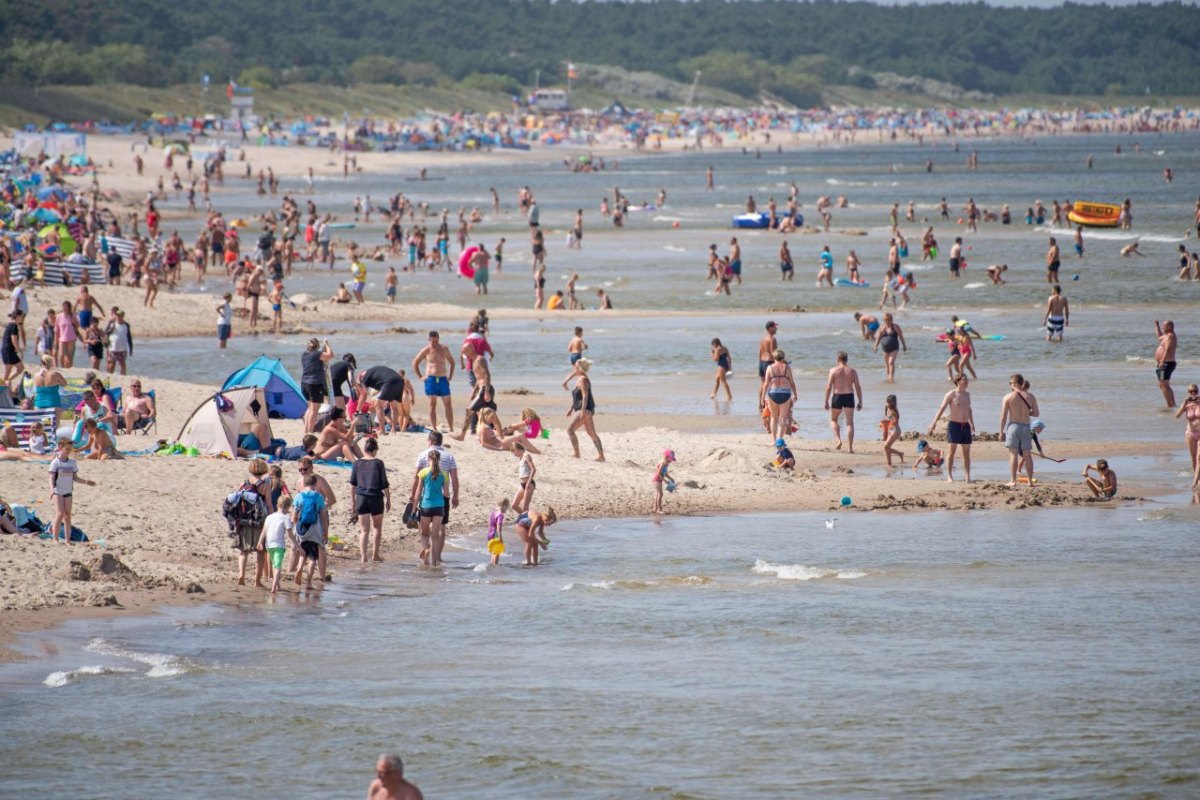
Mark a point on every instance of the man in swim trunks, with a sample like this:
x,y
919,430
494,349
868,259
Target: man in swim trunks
x,y
1052,261
840,392
1058,314
955,257
390,386
867,323
735,259
766,347
786,267
960,428
439,371
1016,409
1164,359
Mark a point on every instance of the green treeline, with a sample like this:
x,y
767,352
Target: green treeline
x,y
787,48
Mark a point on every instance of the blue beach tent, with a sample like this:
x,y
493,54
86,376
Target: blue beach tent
x,y
284,398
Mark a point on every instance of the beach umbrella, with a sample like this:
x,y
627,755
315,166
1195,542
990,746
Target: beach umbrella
x,y
45,215
53,193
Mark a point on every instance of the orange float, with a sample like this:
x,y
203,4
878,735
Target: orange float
x,y
1095,215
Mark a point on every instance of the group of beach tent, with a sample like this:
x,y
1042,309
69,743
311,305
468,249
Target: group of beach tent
x,y
255,394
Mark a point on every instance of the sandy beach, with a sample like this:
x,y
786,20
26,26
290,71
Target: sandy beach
x,y
157,517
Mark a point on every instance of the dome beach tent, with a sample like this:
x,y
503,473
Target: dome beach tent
x,y
214,427
283,395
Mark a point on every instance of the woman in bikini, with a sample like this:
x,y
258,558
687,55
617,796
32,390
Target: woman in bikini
x,y
1190,410
778,393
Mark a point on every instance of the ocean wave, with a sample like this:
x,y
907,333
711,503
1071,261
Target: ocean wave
x,y
802,572
56,680
161,665
974,285
672,248
661,218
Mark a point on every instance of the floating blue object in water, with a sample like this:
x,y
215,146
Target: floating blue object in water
x,y
1075,277
846,500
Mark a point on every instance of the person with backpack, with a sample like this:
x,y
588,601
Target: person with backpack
x,y
312,520
245,509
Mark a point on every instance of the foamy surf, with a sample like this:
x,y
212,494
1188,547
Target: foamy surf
x,y
974,285
802,572
56,680
160,665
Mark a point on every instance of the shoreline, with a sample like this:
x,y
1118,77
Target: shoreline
x,y
814,488
163,540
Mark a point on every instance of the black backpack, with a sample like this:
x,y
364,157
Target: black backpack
x,y
244,508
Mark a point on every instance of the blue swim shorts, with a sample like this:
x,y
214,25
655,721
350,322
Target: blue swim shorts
x,y
437,386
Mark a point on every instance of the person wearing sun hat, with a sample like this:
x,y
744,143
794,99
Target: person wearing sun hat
x,y
783,456
662,478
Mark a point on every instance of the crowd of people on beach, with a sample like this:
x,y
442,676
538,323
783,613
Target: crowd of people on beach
x,y
349,409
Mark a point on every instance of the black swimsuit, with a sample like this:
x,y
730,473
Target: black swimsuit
x,y
577,399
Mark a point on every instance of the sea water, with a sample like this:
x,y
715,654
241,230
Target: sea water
x,y
658,363
996,654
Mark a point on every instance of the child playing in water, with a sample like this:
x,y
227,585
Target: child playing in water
x,y
1104,485
495,534
276,298
531,527
389,284
661,477
929,456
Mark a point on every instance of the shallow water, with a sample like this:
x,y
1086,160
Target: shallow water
x,y
651,265
1001,654
662,365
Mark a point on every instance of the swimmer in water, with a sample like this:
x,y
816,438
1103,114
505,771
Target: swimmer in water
x,y
1132,250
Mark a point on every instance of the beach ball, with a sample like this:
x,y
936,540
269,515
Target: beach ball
x,y
846,501
675,224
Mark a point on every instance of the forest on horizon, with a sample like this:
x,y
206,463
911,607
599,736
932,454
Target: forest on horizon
x,y
786,48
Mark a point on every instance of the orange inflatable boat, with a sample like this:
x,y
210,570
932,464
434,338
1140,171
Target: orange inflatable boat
x,y
1096,215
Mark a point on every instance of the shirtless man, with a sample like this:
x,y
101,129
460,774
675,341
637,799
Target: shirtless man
x,y
389,783
868,324
480,378
852,265
1164,359
766,347
960,427
1052,261
735,259
840,392
138,406
1016,410
1058,314
439,371
956,257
